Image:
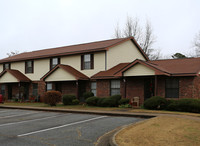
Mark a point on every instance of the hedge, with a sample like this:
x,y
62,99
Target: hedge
x,y
92,101
87,95
67,99
155,103
124,101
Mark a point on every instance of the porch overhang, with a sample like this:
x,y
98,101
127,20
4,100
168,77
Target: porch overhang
x,y
13,76
63,73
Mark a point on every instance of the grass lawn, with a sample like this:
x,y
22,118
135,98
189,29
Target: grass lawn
x,y
163,130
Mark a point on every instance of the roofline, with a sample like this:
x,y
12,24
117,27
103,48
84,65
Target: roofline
x,y
54,55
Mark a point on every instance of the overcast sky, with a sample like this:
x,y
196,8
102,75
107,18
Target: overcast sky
x,y
27,25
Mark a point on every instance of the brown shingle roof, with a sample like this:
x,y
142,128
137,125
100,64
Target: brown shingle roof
x,y
169,67
78,75
69,50
17,74
186,66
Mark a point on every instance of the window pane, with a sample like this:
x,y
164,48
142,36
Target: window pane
x,y
115,92
115,84
7,66
49,86
29,64
3,88
87,58
35,90
172,88
87,65
94,92
54,61
93,85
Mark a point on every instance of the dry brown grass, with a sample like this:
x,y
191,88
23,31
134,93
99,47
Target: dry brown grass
x,y
161,131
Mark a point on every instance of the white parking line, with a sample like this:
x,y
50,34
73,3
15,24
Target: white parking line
x,y
4,111
8,124
70,124
17,115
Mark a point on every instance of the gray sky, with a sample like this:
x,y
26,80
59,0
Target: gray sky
x,y
27,25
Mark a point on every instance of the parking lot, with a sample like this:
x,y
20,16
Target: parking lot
x,y
26,127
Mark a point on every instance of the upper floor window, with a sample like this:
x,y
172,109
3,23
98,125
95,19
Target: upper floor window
x,y
29,66
87,61
54,62
172,88
6,66
115,87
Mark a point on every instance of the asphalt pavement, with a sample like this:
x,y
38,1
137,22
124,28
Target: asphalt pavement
x,y
42,128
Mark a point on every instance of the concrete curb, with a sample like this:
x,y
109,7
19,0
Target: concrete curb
x,y
96,112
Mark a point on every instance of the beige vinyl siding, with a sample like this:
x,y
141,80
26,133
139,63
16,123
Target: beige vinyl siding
x,y
8,78
1,68
41,67
139,70
122,53
60,75
75,62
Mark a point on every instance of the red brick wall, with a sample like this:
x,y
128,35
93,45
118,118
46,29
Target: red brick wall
x,y
69,88
135,88
186,87
103,88
196,91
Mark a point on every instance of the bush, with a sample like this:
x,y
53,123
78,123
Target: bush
x,y
184,105
125,106
52,97
67,99
75,102
100,101
106,102
124,101
155,103
92,101
87,95
116,98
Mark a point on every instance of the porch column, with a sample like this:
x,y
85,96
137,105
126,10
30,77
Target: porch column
x,y
155,89
77,89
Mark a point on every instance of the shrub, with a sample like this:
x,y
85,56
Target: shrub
x,y
67,99
155,103
52,97
125,106
185,105
92,101
116,98
108,102
75,102
124,101
87,95
100,101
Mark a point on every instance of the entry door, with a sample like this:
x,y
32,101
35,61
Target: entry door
x,y
82,89
148,88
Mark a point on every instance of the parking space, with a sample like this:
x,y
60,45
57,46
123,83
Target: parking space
x,y
25,127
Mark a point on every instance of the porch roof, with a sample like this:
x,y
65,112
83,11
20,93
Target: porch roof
x,y
15,76
169,67
70,71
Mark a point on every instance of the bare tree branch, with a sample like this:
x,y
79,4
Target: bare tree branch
x,y
12,53
197,44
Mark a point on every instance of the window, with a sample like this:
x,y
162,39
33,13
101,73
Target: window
x,y
87,61
94,88
54,62
49,86
172,88
3,90
6,66
115,87
35,90
29,66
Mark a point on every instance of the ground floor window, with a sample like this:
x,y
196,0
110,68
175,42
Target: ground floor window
x,y
172,88
94,88
3,90
35,89
115,87
49,86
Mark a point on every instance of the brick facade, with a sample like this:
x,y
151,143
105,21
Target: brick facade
x,y
103,88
